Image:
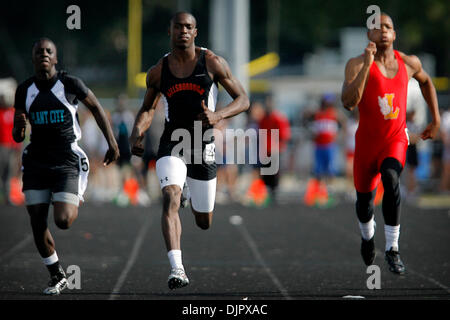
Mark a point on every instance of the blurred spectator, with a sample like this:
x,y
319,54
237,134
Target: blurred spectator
x,y
350,132
325,124
274,119
122,122
103,180
437,148
10,153
133,190
256,113
226,172
445,134
256,193
412,160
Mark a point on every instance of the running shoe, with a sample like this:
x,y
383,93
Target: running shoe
x,y
396,265
177,279
57,284
368,250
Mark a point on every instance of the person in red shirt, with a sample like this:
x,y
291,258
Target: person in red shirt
x,y
274,119
377,83
325,125
8,149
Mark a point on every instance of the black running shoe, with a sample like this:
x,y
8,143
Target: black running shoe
x,y
368,250
392,257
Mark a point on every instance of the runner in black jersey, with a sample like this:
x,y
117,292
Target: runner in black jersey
x,y
55,169
186,80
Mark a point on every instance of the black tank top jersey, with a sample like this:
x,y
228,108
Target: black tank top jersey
x,y
51,107
182,97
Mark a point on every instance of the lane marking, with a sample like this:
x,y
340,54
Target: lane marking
x,y
22,244
132,258
238,222
353,297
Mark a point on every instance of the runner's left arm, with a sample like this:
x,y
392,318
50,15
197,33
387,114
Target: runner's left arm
x,y
99,114
222,74
429,94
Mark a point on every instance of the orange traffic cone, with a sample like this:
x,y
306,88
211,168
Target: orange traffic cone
x,y
16,195
312,190
322,194
257,192
131,189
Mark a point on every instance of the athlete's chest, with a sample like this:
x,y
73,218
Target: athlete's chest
x,y
181,70
48,106
389,69
195,84
46,109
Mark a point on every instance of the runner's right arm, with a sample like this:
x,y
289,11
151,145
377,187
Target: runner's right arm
x,y
145,114
356,75
20,116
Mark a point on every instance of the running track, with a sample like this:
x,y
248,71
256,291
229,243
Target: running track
x,y
287,252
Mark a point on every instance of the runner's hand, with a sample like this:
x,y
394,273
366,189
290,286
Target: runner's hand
x,y
430,131
20,121
208,117
111,155
369,53
137,145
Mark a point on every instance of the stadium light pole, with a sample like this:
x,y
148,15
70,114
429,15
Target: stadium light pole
x,y
134,54
273,25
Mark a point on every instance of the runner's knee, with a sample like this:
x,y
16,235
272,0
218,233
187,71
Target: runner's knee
x,y
203,220
64,216
390,174
364,206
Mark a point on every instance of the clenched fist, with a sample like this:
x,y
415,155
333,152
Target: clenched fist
x,y
208,117
369,53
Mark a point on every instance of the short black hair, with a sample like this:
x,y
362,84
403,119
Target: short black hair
x,y
42,39
180,13
383,13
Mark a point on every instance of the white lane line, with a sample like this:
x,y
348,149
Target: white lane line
x,y
444,287
357,238
238,222
132,258
22,244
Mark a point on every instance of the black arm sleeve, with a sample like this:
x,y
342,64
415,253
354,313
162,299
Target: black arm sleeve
x,y
76,86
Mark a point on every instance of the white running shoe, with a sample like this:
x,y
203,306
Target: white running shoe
x,y
177,279
56,285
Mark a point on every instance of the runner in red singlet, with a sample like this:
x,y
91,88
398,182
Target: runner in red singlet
x,y
377,83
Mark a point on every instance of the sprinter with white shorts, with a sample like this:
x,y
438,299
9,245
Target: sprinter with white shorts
x,y
186,79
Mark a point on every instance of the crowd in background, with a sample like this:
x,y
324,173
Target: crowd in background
x,y
327,130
